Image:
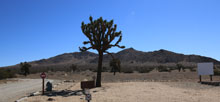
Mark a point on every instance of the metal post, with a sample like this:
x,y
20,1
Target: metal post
x,y
43,87
210,77
200,78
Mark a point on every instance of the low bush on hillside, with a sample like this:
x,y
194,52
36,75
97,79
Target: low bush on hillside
x,y
127,70
192,69
93,69
105,69
145,69
6,73
73,68
171,68
163,69
217,72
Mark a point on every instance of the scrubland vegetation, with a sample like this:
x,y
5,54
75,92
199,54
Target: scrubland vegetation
x,y
125,68
6,73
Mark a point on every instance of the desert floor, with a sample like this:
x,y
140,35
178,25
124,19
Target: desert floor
x,y
12,89
131,87
134,92
173,76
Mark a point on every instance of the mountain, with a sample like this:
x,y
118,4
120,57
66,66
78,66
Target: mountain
x,y
68,58
129,55
160,56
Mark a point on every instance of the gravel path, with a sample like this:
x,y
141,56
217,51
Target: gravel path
x,y
14,90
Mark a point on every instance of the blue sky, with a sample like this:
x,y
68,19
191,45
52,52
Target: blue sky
x,y
35,29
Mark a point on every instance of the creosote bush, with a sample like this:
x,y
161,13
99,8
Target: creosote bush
x,y
73,68
217,72
145,69
6,73
127,70
162,68
192,69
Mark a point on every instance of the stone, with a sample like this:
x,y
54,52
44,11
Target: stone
x,y
50,99
49,86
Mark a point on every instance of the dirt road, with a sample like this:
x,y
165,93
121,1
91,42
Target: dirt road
x,y
14,90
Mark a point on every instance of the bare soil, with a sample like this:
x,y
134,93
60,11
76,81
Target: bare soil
x,y
5,81
134,92
133,87
154,76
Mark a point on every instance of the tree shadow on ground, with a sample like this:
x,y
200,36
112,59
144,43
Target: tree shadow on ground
x,y
65,93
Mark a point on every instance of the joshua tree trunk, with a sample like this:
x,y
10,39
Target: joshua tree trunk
x,y
99,72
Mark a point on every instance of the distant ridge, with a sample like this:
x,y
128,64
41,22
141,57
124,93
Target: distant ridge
x,y
129,55
159,56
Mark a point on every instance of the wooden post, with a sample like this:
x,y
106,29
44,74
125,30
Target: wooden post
x,y
43,87
200,78
210,77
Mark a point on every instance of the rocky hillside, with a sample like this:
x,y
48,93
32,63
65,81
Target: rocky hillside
x,y
126,56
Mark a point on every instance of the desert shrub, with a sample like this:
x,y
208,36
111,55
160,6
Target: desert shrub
x,y
90,69
104,69
192,69
171,68
51,69
145,69
218,66
93,69
6,74
163,69
217,72
73,67
127,70
180,66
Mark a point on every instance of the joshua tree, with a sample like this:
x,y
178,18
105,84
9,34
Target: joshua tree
x,y
116,65
101,34
180,66
73,67
25,68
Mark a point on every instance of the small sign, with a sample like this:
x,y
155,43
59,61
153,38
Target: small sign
x,y
43,75
205,68
88,97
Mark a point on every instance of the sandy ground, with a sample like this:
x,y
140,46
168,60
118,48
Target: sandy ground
x,y
173,76
130,87
135,92
8,81
12,90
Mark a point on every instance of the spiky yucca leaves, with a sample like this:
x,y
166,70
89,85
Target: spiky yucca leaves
x,y
101,34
